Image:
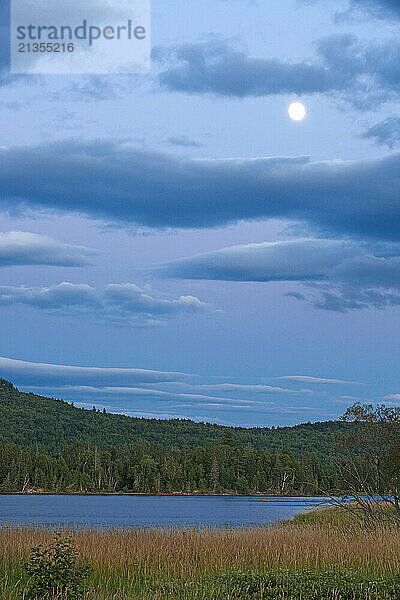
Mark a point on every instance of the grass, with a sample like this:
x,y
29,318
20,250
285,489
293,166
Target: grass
x,y
332,516
320,555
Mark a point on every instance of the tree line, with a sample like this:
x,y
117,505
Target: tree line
x,y
146,468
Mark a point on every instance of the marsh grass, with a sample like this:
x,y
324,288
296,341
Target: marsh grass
x,y
312,557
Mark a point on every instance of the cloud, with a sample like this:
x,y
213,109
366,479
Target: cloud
x,y
23,248
236,387
142,397
294,260
360,72
137,387
340,275
378,8
120,304
251,389
183,141
345,298
308,379
31,373
381,9
217,68
138,391
131,186
386,132
150,394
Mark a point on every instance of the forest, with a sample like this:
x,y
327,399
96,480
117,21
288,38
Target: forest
x,y
149,468
49,445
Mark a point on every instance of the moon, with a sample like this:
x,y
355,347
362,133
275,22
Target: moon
x,y
297,111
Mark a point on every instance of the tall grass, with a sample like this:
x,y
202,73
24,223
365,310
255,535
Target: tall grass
x,y
174,562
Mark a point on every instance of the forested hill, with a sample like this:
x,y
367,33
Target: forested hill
x,y
27,420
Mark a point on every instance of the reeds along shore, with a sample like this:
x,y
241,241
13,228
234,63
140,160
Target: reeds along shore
x,y
181,552
136,563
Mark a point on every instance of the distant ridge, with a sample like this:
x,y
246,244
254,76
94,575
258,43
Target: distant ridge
x,y
27,419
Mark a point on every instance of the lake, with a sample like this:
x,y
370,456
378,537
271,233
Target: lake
x,y
150,511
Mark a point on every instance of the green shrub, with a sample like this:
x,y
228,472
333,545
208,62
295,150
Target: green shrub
x,y
276,584
55,570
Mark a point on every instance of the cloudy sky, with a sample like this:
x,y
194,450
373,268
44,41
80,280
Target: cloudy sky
x,y
173,245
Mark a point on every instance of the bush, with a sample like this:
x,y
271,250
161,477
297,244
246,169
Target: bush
x,y
56,570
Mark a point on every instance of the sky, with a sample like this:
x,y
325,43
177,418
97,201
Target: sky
x,y
172,244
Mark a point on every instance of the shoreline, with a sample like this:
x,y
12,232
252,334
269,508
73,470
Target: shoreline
x,y
160,495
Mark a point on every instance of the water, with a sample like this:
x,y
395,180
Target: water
x,y
151,511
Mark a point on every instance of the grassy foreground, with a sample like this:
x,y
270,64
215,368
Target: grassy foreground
x,y
317,556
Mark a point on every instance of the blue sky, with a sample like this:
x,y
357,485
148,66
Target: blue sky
x,y
172,244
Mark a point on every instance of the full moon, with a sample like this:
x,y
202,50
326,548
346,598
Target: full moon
x,y
297,111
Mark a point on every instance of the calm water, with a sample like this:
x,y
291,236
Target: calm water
x,y
151,510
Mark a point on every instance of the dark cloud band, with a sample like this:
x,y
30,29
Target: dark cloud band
x,y
339,275
362,73
137,187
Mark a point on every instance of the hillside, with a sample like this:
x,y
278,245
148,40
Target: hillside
x,y
27,420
